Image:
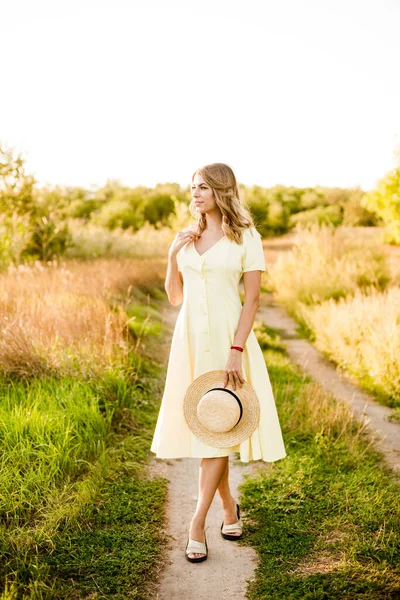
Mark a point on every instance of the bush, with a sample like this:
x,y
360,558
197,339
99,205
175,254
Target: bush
x,y
158,209
119,214
385,199
392,233
81,203
32,224
330,215
48,240
276,210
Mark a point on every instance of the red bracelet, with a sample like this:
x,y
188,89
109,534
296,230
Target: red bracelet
x,y
237,348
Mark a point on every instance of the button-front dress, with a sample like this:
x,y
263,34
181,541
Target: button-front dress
x,y
204,331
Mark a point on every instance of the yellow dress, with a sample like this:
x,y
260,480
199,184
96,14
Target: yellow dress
x,y
204,331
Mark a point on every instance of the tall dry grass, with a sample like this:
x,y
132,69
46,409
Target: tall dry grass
x,y
343,288
328,262
64,318
362,335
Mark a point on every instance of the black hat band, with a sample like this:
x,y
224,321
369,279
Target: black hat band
x,y
236,398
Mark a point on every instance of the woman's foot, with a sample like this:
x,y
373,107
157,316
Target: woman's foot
x,y
231,515
196,532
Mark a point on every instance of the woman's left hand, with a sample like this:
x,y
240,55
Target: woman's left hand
x,y
233,370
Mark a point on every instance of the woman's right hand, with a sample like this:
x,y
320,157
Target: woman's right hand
x,y
182,238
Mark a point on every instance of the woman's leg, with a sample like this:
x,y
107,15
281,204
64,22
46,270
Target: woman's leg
x,y
228,502
210,473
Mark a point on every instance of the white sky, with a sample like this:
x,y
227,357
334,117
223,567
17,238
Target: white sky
x,y
297,92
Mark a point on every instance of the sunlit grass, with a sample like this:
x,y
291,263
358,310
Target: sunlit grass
x,y
325,519
325,263
78,406
362,335
70,318
341,289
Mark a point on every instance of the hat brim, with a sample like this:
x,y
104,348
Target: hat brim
x,y
247,424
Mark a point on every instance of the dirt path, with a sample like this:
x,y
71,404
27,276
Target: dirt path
x,y
224,575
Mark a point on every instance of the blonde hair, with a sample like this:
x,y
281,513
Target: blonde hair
x,y
235,216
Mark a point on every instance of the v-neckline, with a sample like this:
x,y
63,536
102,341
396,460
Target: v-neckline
x,y
208,249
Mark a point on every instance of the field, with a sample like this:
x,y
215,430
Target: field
x,y
83,352
343,287
79,400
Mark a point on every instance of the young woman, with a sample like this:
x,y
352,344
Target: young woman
x,y
205,264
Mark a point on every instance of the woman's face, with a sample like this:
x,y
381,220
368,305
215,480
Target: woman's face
x,y
202,194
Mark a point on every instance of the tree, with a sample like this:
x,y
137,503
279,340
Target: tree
x,y
32,224
16,186
385,199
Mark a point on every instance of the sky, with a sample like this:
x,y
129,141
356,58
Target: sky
x,y
291,92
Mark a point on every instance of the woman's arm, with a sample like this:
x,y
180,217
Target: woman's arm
x,y
233,369
252,286
173,281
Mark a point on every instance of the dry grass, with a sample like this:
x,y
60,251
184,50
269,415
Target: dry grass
x,y
328,263
344,287
362,335
326,557
62,318
314,414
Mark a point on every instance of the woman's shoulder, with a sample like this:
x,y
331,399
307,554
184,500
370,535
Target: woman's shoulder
x,y
250,232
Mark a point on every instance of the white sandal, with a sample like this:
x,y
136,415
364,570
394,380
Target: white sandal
x,y
228,530
195,547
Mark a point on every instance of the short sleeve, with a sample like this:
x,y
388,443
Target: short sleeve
x,y
253,258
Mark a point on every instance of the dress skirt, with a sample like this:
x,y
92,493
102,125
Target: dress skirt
x,y
203,333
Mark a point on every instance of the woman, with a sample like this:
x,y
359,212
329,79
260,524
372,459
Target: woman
x,y
205,265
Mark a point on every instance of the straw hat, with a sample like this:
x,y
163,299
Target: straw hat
x,y
220,417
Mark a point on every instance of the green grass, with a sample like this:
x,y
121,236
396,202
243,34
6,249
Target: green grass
x,y
144,320
325,520
78,518
268,338
115,548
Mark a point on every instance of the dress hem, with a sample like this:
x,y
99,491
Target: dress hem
x,y
218,456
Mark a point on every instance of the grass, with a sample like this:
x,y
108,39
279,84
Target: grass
x,y
140,323
346,298
113,554
78,517
267,337
361,334
325,263
325,520
78,410
71,318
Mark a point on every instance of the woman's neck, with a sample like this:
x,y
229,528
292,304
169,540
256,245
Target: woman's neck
x,y
214,221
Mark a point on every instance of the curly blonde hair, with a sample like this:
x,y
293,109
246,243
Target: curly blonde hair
x,y
235,216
